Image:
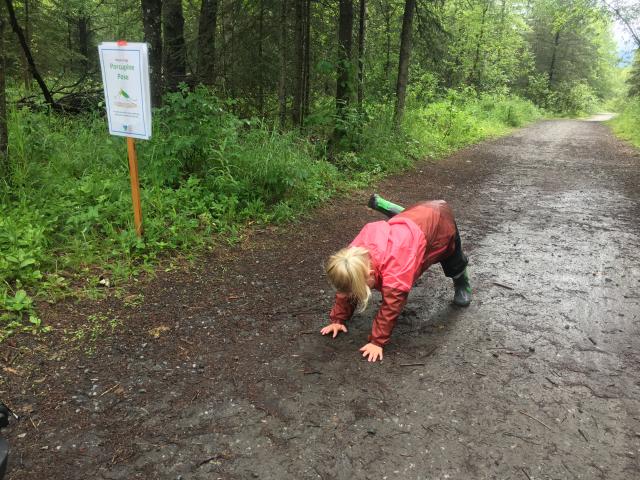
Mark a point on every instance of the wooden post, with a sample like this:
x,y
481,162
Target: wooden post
x,y
135,185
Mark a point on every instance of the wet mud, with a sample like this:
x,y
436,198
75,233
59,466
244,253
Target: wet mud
x,y
220,371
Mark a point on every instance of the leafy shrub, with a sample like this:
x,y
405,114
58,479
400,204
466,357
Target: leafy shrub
x,y
573,99
22,248
627,123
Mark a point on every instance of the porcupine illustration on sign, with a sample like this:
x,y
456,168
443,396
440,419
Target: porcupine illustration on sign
x,y
124,100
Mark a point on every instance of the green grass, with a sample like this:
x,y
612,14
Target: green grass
x,y
65,205
626,125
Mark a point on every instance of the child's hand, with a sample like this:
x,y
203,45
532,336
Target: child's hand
x,y
334,328
372,351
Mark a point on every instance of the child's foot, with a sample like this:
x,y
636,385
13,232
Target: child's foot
x,y
462,295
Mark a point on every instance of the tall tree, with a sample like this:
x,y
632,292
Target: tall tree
x,y
554,56
387,13
4,134
307,60
634,76
629,15
207,41
27,36
282,83
403,64
344,85
27,52
476,71
362,29
152,25
566,37
301,38
261,59
174,62
84,40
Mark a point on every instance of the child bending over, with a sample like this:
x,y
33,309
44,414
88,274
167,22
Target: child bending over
x,y
390,256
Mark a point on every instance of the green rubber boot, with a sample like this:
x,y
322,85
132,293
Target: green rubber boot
x,y
383,206
462,295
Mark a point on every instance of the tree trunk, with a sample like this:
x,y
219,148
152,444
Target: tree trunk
x,y
503,17
231,78
298,77
27,36
387,29
344,83
282,84
345,34
624,19
307,60
403,66
362,28
4,131
261,60
207,41
476,71
83,43
552,67
174,48
27,52
151,19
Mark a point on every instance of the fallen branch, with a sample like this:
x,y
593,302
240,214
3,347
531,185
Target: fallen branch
x,y
551,381
525,472
109,390
583,436
430,352
524,439
211,459
503,285
412,364
534,418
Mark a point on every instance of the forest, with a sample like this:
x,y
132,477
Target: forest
x,y
263,109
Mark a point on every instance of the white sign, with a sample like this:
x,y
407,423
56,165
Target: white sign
x,y
125,76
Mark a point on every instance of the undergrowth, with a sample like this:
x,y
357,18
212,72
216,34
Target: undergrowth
x,y
627,124
65,205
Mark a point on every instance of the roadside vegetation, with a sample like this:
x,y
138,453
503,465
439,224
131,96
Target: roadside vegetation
x,y
627,124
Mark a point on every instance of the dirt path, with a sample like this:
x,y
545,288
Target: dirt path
x,y
538,379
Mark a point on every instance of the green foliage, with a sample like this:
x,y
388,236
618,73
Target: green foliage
x,y
18,314
22,245
67,203
565,98
627,124
95,327
574,52
463,118
634,76
573,99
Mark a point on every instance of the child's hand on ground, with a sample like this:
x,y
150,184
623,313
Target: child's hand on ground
x,y
333,328
372,351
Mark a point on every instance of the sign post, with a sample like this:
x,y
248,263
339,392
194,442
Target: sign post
x,y
125,77
135,185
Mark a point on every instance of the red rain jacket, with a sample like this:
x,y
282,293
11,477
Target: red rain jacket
x,y
401,249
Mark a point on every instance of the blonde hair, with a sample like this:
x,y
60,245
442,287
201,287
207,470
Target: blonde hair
x,y
348,271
